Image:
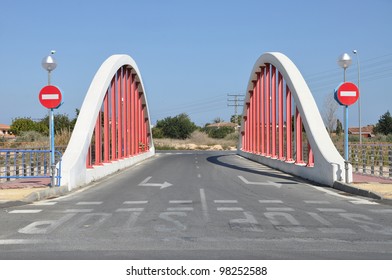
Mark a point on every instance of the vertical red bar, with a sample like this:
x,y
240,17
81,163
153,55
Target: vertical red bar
x,y
251,120
140,122
136,110
144,138
310,156
119,114
273,111
280,115
88,158
129,81
106,131
257,101
289,151
298,138
98,140
124,111
262,109
267,108
133,89
113,119
247,127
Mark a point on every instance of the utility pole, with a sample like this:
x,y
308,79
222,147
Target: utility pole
x,y
235,100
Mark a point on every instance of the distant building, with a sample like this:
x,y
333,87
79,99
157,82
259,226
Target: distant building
x,y
5,131
366,131
224,124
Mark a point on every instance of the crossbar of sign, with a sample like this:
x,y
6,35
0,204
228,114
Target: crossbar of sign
x,y
50,96
348,93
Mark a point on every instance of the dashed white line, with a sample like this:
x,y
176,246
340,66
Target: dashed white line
x,y
89,203
204,207
279,209
129,209
179,209
331,210
46,203
20,241
77,211
136,202
270,201
316,202
27,211
181,201
230,209
225,201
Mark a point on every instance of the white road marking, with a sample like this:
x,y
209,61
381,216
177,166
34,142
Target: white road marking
x,y
145,183
267,183
316,202
179,209
385,211
225,201
45,203
270,201
277,209
78,211
204,207
181,201
129,209
363,202
136,202
320,219
89,203
230,209
28,211
335,210
336,230
20,241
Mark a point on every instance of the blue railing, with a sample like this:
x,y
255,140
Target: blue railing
x,y
17,164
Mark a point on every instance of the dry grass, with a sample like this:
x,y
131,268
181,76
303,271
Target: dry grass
x,y
198,141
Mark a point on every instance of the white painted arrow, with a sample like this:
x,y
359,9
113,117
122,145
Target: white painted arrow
x,y
268,183
162,186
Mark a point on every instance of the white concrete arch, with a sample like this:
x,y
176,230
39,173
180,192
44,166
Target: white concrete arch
x,y
74,171
329,164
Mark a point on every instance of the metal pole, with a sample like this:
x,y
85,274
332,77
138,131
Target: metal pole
x,y
346,142
52,158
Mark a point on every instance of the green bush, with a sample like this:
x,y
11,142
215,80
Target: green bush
x,y
219,132
178,127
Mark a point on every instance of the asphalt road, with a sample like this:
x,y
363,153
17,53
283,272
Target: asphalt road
x,y
199,205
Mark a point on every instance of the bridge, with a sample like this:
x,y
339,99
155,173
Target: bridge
x,y
113,130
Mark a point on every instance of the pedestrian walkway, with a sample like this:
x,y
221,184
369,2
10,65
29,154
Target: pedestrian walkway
x,y
29,190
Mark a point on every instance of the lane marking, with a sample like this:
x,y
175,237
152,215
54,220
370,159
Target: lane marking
x,y
385,211
230,209
270,201
78,211
89,203
281,209
46,203
225,201
181,201
129,209
363,202
316,202
179,209
27,211
136,202
320,219
204,207
20,241
331,210
336,230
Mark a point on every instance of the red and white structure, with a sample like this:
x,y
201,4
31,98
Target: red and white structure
x,y
282,126
113,128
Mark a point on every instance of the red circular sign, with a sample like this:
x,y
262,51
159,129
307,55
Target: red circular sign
x,y
50,97
347,94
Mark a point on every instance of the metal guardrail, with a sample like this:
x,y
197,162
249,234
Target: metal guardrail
x,y
19,163
372,159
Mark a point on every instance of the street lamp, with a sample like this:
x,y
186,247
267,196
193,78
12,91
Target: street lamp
x,y
345,61
359,99
49,64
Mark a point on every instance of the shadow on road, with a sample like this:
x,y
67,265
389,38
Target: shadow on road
x,y
219,160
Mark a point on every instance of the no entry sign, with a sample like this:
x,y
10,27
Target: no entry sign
x,y
346,94
50,97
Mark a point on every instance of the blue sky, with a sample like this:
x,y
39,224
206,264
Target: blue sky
x,y
191,54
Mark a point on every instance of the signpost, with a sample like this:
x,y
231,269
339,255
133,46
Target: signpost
x,y
346,94
50,97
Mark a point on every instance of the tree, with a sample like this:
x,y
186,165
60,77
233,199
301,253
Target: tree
x,y
236,119
384,124
19,125
339,127
329,113
178,127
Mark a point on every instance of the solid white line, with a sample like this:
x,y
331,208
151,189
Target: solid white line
x,y
225,201
316,202
364,202
89,203
230,209
136,202
331,210
46,203
180,209
281,209
270,201
348,93
50,96
181,201
204,205
25,211
129,209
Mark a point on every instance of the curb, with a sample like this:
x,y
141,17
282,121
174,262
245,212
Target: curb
x,y
46,194
353,190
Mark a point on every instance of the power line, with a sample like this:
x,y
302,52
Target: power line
x,y
234,103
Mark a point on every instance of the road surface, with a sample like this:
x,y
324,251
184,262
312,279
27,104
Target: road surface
x,y
199,205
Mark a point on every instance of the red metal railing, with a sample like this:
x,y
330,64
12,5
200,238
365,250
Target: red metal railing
x,y
272,123
121,129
